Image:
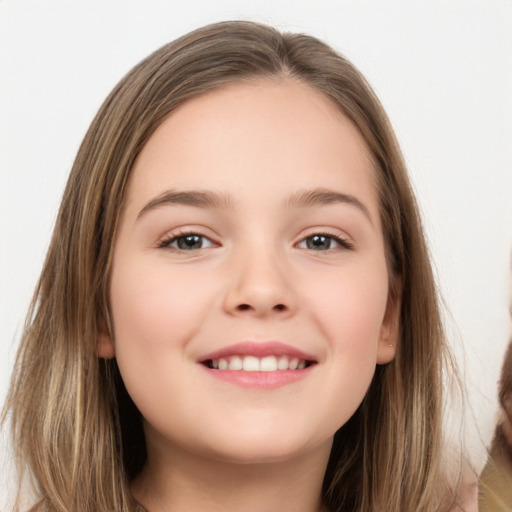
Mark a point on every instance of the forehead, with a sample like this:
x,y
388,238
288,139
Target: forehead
x,y
282,132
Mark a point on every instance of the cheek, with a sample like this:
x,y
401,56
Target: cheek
x,y
155,314
149,298
349,310
349,307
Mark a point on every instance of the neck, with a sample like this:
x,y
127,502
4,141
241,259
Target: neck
x,y
174,479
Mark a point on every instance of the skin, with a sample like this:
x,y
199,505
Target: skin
x,y
213,444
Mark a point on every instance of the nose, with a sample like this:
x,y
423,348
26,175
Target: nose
x,y
260,285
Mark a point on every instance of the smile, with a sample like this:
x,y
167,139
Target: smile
x,y
255,364
260,365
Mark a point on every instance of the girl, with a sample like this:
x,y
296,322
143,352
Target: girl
x,y
237,310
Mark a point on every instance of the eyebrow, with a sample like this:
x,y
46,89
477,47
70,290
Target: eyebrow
x,y
210,199
197,198
324,196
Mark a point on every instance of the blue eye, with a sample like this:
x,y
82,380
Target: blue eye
x,y
187,242
321,242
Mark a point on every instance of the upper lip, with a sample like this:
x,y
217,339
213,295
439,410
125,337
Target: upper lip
x,y
257,349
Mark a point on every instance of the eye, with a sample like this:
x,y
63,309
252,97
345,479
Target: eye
x,y
187,242
323,242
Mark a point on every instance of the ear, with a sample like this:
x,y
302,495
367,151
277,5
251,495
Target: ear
x,y
106,348
390,329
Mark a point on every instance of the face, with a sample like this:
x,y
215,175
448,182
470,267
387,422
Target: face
x,y
249,287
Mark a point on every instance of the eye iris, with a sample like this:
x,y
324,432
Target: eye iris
x,y
317,242
189,242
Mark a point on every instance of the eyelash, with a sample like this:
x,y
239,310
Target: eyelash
x,y
167,242
343,242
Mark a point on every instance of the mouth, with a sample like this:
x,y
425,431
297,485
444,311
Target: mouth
x,y
263,365
250,363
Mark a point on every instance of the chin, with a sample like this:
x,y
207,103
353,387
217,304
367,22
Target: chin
x,y
262,449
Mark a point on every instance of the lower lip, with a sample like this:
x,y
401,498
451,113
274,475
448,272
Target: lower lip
x,y
260,380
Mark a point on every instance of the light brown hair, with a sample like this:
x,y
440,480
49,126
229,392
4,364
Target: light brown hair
x,y
74,427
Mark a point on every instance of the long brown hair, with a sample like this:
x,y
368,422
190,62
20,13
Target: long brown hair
x,y
75,428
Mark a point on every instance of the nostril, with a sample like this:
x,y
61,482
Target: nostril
x,y
245,307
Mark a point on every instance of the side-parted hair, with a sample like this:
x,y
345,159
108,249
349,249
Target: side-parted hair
x,y
75,430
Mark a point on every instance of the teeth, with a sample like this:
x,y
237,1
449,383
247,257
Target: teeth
x,y
251,364
255,364
236,363
282,364
268,364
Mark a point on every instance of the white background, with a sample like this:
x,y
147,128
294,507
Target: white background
x,y
443,71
